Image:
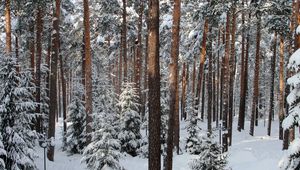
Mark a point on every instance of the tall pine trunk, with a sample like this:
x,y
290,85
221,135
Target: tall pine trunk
x,y
225,90
173,124
256,79
242,104
154,87
53,79
124,39
201,66
232,75
138,61
8,27
88,71
271,103
39,30
281,87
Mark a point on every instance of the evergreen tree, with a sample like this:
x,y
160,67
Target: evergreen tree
x,y
210,158
76,131
193,141
291,158
130,120
104,149
2,154
16,113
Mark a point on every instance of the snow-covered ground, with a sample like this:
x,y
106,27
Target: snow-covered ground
x,y
260,152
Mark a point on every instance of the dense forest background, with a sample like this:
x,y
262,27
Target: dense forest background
x,y
124,75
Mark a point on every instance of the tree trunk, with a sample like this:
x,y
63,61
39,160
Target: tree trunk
x,y
201,66
124,38
174,95
88,72
256,78
203,96
83,65
154,87
209,89
232,75
8,48
53,79
139,54
145,77
273,65
183,93
281,87
39,31
64,100
225,90
242,83
31,47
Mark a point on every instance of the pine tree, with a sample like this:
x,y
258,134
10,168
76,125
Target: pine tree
x,y
130,120
2,153
104,149
291,159
76,131
193,141
16,115
210,158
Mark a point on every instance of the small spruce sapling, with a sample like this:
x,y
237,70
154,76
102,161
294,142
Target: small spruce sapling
x,y
76,117
104,150
129,135
210,157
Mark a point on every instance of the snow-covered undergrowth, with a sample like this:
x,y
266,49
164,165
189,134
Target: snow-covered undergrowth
x,y
260,152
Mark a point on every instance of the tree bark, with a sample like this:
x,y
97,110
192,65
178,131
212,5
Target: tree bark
x,y
154,87
88,71
209,89
39,31
242,80
281,87
8,48
139,54
64,99
183,93
174,95
53,79
201,66
273,65
256,78
232,75
225,90
124,38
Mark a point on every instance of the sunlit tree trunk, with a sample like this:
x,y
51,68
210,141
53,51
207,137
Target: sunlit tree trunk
x,y
201,66
281,87
173,124
8,27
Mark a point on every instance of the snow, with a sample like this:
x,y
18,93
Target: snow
x,y
298,30
260,152
294,61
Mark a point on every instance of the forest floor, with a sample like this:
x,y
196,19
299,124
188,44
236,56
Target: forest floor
x,y
259,152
